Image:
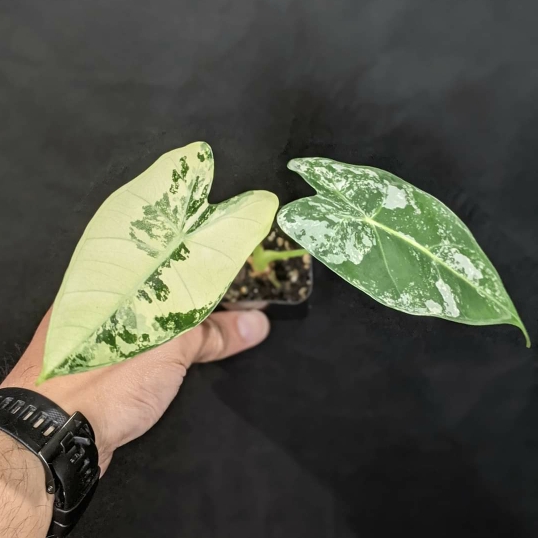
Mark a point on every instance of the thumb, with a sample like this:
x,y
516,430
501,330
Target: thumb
x,y
224,334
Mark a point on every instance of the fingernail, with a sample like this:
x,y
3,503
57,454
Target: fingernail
x,y
253,326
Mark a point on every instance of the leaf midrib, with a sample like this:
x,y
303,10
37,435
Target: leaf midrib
x,y
167,253
418,246
179,238
437,260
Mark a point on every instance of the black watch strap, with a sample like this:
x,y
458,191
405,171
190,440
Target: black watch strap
x,y
64,444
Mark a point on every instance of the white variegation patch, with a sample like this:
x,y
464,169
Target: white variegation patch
x,y
395,198
153,263
434,307
451,308
397,243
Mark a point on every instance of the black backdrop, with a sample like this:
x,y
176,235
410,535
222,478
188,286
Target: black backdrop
x,y
359,420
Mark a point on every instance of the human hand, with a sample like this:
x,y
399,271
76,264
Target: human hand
x,y
125,400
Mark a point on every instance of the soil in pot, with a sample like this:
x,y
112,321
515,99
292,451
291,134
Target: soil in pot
x,y
293,276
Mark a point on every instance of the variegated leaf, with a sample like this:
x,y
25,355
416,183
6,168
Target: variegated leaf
x,y
397,243
153,263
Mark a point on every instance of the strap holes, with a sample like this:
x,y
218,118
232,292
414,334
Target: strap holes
x,y
28,415
6,402
38,422
48,431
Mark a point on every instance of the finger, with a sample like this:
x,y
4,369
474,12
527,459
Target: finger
x,y
224,334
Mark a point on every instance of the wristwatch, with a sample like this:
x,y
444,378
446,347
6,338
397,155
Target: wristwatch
x,y
64,444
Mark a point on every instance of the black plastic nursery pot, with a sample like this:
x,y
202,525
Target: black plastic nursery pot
x,y
288,300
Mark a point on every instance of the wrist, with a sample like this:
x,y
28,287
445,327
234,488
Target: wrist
x,y
25,506
71,396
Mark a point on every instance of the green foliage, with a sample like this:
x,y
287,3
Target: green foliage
x,y
398,244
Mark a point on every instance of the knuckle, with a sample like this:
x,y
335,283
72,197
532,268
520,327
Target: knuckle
x,y
174,364
214,341
176,369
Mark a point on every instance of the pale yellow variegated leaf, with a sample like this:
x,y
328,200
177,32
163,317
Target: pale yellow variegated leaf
x,y
153,263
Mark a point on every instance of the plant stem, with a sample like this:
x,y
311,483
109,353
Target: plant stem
x,y
261,258
273,279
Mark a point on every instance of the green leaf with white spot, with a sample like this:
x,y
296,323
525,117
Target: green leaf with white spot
x,y
153,263
398,244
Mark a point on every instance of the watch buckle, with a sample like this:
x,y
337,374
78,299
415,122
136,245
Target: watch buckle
x,y
60,442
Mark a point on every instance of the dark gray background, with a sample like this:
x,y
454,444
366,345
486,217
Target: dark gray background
x,y
359,420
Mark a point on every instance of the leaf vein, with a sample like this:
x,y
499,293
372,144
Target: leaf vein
x,y
187,239
389,271
425,251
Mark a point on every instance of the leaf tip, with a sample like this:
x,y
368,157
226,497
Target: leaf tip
x,y
526,335
294,165
519,324
42,378
45,375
